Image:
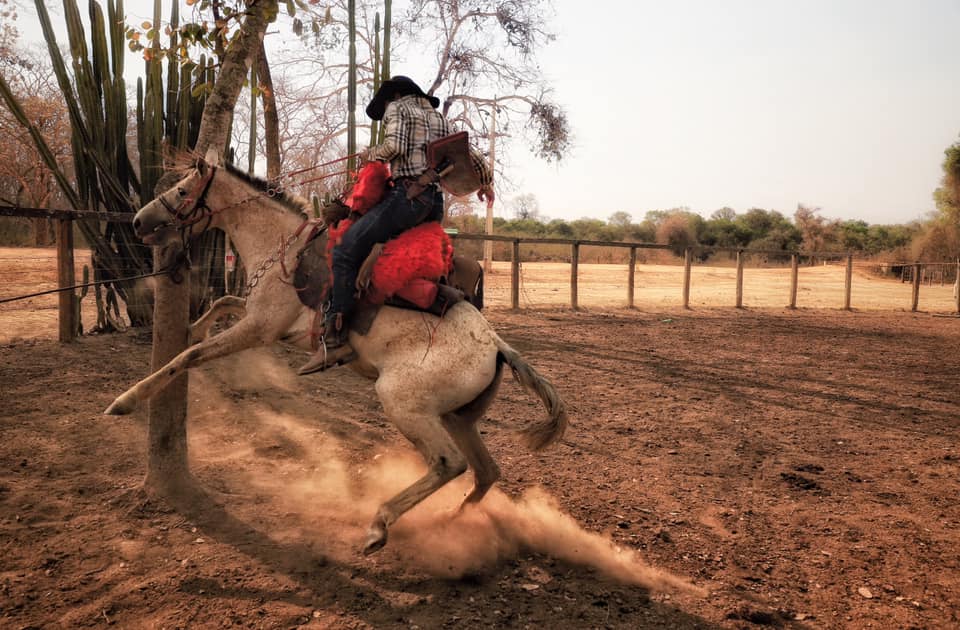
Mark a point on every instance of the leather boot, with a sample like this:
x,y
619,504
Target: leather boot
x,y
334,346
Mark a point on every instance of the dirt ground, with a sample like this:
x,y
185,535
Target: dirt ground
x,y
801,467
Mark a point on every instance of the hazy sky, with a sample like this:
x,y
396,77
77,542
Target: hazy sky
x,y
843,104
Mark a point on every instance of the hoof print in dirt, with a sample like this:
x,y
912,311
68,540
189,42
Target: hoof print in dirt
x,y
800,482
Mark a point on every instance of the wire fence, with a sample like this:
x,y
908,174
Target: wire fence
x,y
553,273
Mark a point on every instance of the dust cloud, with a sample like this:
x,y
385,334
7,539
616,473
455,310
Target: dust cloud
x,y
300,467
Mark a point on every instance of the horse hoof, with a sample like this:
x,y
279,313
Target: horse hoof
x,y
119,407
376,539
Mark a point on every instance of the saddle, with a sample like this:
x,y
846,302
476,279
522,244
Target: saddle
x,y
416,270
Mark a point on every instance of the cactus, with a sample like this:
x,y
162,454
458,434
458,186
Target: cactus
x,y
352,85
376,72
95,97
385,63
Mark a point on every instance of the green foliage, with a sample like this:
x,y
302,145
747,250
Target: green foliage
x,y
680,228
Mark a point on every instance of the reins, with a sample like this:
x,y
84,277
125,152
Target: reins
x,y
197,202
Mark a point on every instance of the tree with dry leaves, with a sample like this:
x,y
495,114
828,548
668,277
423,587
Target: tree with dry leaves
x,y
25,179
486,58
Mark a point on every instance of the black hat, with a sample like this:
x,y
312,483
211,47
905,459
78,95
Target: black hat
x,y
398,85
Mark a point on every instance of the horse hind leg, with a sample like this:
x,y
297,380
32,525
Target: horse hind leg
x,y
462,427
485,470
444,462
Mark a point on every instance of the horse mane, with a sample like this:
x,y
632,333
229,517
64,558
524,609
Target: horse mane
x,y
287,199
181,163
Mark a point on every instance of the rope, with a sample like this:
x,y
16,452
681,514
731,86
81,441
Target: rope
x,y
80,286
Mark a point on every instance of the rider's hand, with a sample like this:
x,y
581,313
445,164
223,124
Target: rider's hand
x,y
486,194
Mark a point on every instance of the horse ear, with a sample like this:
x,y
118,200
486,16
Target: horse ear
x,y
213,157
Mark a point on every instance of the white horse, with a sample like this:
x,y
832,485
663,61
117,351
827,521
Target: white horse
x,y
435,381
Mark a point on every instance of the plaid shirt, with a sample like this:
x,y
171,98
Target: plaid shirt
x,y
410,123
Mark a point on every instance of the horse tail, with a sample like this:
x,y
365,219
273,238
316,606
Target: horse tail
x,y
544,433
478,299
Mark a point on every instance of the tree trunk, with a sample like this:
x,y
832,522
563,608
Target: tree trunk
x,y
167,466
236,64
271,121
167,469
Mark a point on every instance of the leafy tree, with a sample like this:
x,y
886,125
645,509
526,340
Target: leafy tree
x,y
947,196
558,228
724,213
620,219
818,233
678,232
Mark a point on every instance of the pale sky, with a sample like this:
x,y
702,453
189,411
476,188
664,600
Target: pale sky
x,y
845,104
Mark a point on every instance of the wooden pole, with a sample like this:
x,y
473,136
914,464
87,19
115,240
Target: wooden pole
x,y
687,258
515,276
66,278
488,245
956,287
848,283
631,275
794,273
739,279
574,264
167,411
916,286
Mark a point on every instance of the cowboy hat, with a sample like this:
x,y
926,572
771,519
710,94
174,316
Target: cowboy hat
x,y
396,86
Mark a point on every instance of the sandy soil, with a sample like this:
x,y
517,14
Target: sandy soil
x,y
800,467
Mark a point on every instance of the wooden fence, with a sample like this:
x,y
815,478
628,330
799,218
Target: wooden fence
x,y
917,270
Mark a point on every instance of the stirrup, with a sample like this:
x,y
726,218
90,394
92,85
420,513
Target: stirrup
x,y
323,359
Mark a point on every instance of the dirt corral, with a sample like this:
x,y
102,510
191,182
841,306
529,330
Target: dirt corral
x,y
801,467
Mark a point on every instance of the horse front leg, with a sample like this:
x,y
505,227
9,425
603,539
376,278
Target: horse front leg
x,y
246,334
227,305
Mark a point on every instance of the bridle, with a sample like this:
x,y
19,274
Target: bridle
x,y
193,208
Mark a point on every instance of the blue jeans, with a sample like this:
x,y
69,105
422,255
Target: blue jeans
x,y
393,215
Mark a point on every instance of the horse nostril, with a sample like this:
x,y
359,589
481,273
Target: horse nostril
x,y
136,224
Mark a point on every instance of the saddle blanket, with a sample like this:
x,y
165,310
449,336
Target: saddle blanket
x,y
410,264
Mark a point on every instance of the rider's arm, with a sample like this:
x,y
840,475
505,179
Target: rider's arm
x,y
390,147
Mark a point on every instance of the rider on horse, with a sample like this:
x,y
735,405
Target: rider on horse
x,y
411,122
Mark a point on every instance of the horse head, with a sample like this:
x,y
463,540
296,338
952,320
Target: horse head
x,y
172,214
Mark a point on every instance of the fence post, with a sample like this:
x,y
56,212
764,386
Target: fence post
x,y
917,268
956,287
631,275
848,283
794,273
66,278
739,278
687,257
515,276
574,263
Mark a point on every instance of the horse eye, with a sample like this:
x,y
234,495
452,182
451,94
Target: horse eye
x,y
181,192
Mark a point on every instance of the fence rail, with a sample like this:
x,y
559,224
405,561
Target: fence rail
x,y
915,272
